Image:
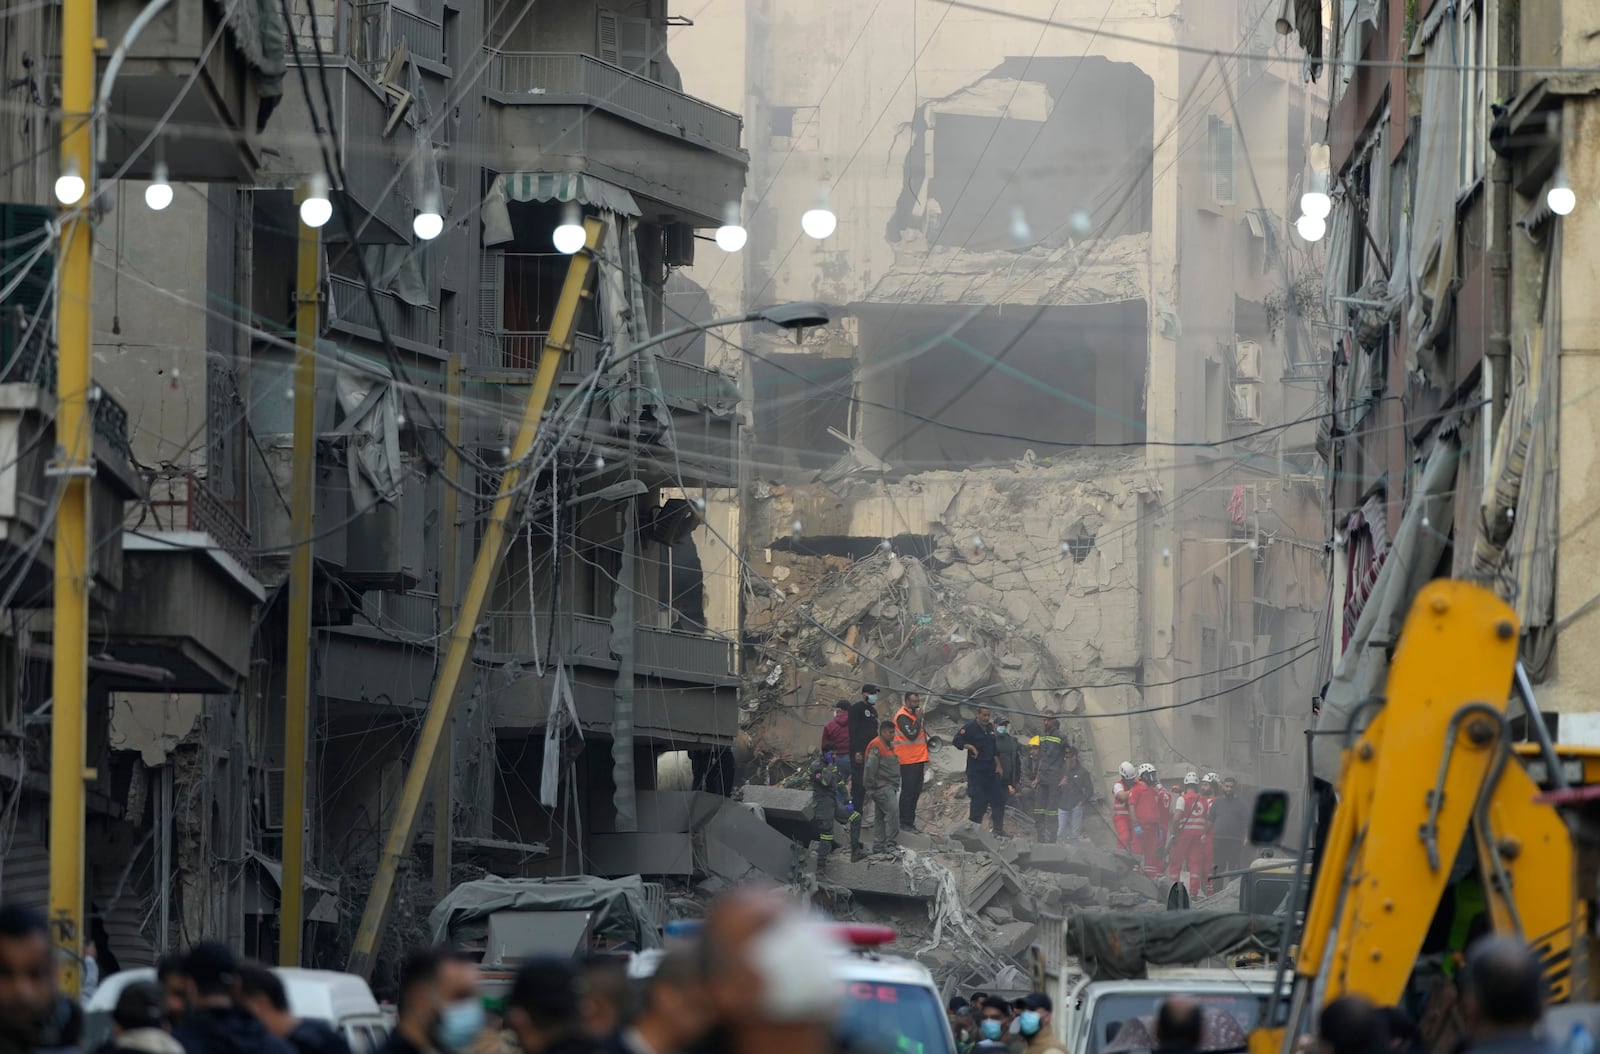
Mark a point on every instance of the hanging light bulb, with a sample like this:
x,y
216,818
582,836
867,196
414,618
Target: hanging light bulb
x,y
731,236
819,222
1020,231
1316,204
70,186
1560,197
1311,228
158,193
428,224
569,237
315,208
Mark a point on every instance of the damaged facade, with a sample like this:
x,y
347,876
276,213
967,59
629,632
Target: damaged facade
x,y
1460,443
508,121
1060,454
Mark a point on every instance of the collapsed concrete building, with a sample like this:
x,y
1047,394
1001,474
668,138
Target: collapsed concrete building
x,y
1073,389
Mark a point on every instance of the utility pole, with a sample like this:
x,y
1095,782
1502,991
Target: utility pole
x,y
485,564
449,611
73,468
297,694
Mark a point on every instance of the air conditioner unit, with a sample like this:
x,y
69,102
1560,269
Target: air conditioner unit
x,y
1247,360
1238,661
272,798
1246,403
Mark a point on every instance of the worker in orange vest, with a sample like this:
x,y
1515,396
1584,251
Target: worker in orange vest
x,y
911,748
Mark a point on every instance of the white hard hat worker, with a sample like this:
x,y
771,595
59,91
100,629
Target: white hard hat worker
x,y
1191,779
1212,778
1147,769
1126,771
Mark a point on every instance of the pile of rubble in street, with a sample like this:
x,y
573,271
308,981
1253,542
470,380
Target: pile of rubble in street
x,y
966,904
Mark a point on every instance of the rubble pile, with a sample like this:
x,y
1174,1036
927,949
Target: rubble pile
x,y
1014,585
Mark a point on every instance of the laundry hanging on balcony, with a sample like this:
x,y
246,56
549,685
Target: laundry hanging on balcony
x,y
549,186
371,407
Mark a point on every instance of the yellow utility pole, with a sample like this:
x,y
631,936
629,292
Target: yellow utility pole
x,y
302,502
74,469
449,609
484,566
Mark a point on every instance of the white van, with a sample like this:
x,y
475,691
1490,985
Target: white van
x,y
1095,1010
340,1000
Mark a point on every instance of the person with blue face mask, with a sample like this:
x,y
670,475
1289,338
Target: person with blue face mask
x,y
1034,1025
439,1011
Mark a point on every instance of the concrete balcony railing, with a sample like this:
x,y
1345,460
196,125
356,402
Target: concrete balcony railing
x,y
378,27
351,310
552,78
586,640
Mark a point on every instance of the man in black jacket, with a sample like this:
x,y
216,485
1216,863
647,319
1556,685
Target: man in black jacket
x,y
214,1023
863,730
544,1010
984,792
1075,790
261,993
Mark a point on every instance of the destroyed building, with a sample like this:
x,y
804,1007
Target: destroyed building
x,y
1060,453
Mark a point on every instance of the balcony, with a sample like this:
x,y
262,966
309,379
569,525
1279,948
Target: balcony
x,y
373,152
191,71
350,310
378,28
586,641
573,112
703,403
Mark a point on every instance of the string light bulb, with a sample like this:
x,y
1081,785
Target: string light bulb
x,y
1311,228
819,221
70,186
315,208
428,223
158,193
1316,204
1560,197
731,236
569,237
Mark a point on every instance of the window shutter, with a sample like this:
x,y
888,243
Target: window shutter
x,y
491,291
607,39
1222,171
633,45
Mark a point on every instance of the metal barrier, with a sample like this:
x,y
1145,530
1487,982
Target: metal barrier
x,y
351,305
555,77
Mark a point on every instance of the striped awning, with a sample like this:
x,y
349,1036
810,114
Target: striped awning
x,y
569,186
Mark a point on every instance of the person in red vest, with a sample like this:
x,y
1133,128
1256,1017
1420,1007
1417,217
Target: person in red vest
x,y
1121,815
1187,849
1210,783
1149,819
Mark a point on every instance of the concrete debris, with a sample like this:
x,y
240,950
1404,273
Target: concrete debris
x,y
970,670
781,803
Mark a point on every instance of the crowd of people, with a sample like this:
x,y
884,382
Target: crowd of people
x,y
1196,827
749,983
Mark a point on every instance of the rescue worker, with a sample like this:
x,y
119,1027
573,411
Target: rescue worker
x,y
1149,820
976,737
1121,815
883,787
911,747
1184,849
1047,785
1076,791
830,806
863,730
1009,754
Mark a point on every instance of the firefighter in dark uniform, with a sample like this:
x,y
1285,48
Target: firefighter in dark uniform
x,y
831,804
1047,781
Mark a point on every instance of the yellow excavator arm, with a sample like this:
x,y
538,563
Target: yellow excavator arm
x,y
1434,765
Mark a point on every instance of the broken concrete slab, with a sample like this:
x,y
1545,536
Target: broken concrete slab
x,y
782,803
737,841
970,670
1014,938
875,876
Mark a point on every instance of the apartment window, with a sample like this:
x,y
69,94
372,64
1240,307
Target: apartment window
x,y
1469,56
626,42
793,127
1224,170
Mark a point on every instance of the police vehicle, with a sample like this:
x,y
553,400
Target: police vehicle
x,y
887,1004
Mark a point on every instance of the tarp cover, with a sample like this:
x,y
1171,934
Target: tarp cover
x,y
619,906
1118,945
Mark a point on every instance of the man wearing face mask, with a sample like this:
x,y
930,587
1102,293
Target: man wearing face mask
x,y
438,1010
863,730
1035,1026
993,1026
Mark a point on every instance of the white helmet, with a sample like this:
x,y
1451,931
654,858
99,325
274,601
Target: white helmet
x,y
1212,778
1191,779
1146,769
1126,770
